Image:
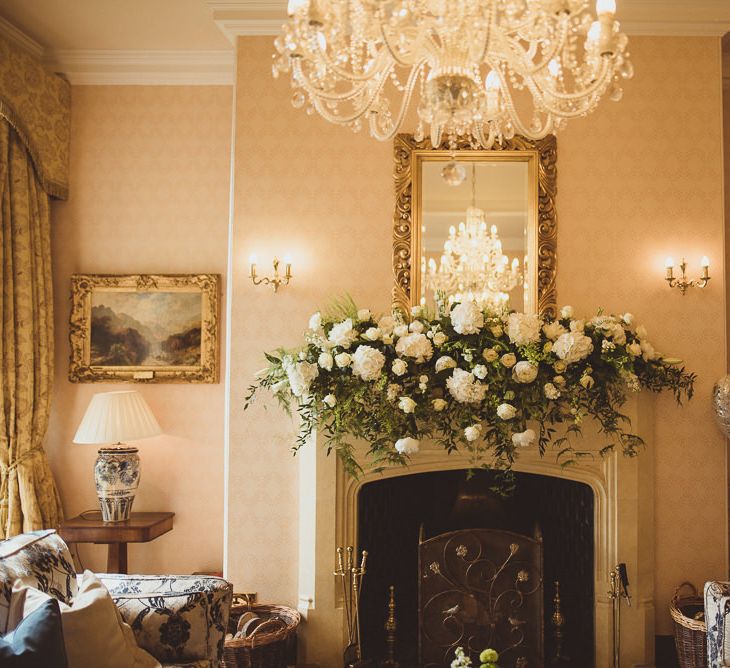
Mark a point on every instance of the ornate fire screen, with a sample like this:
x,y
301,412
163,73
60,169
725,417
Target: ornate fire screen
x,y
481,588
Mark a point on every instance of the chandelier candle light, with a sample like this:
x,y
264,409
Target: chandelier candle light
x,y
277,280
473,65
683,282
115,417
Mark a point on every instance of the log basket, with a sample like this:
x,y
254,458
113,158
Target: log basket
x,y
690,634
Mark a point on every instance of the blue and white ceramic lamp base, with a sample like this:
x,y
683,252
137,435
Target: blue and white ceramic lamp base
x,y
116,473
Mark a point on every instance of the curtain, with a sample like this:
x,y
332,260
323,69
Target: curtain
x,y
29,499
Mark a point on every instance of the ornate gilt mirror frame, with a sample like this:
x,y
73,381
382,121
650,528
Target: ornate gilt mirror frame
x,y
409,156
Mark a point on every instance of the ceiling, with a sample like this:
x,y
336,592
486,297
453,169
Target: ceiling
x,y
190,41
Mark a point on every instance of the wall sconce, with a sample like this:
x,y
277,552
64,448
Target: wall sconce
x,y
683,282
276,280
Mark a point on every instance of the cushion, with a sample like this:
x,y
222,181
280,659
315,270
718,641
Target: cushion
x,y
39,559
36,641
172,627
93,632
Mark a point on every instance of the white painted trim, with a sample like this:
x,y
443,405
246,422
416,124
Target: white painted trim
x,y
16,36
102,67
249,27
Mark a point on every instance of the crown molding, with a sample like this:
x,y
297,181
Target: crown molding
x,y
100,67
17,37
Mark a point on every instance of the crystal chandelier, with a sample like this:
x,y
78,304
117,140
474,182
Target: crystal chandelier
x,y
480,69
473,266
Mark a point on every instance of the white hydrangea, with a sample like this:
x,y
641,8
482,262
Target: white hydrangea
x,y
343,334
415,345
577,325
407,446
300,375
573,347
467,318
407,405
524,439
550,391
524,372
325,360
465,388
506,411
553,330
367,362
523,328
416,326
400,330
399,367
445,362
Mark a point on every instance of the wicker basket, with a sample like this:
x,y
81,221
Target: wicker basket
x,y
270,645
690,635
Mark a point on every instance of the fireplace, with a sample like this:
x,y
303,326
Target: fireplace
x,y
616,492
395,514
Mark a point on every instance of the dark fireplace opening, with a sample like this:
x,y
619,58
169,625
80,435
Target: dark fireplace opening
x,y
394,512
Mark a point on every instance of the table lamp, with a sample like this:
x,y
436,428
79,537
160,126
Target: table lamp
x,y
112,418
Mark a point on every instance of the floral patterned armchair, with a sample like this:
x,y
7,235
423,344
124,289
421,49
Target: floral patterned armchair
x,y
717,616
180,619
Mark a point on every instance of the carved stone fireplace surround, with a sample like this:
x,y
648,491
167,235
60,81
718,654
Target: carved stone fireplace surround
x,y
624,531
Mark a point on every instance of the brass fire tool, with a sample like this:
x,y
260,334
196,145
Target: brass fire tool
x,y
350,577
391,626
558,622
619,589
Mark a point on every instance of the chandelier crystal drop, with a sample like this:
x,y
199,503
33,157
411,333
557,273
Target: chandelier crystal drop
x,y
473,266
481,69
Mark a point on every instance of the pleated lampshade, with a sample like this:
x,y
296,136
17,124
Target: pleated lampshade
x,y
115,417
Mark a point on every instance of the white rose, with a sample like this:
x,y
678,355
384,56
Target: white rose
x,y
372,333
300,376
399,367
524,372
566,312
467,318
573,347
648,352
325,360
509,360
342,334
315,322
523,328
524,439
551,392
641,332
473,432
342,360
490,354
480,371
587,382
393,391
400,330
577,325
415,345
634,349
628,319
439,338
553,330
465,388
330,400
506,411
445,362
407,446
618,334
367,362
416,326
407,405
439,404
386,324
363,314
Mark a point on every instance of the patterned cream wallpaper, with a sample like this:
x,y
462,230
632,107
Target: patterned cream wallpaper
x,y
149,193
637,181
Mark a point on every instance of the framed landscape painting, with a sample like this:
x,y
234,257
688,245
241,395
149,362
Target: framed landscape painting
x,y
144,327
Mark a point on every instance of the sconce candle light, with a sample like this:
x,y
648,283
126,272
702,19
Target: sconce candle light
x,y
683,282
277,279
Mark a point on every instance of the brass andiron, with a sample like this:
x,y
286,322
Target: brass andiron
x,y
619,580
558,622
391,626
350,577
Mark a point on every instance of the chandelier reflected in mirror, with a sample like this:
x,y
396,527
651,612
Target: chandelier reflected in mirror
x,y
481,69
473,266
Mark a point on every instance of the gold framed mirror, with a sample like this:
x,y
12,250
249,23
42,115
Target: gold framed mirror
x,y
486,230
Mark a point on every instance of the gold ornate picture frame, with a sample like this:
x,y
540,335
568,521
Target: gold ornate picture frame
x,y
152,328
407,154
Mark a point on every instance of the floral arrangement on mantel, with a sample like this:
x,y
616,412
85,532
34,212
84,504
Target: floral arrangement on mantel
x,y
490,383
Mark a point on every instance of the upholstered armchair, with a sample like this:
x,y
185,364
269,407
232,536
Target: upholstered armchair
x,y
717,617
180,619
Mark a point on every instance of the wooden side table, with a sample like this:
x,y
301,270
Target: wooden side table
x,y
139,528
